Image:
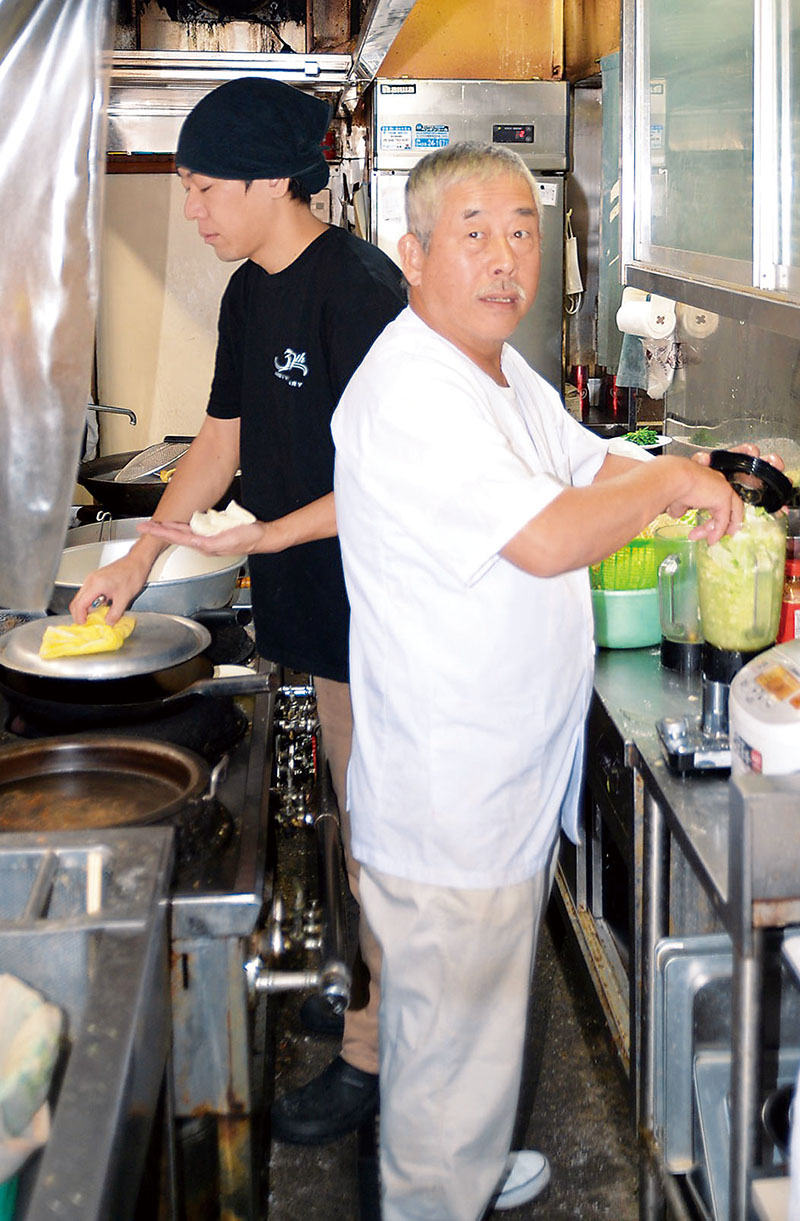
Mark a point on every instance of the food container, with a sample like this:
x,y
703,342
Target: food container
x,y
634,566
626,619
740,584
183,581
678,602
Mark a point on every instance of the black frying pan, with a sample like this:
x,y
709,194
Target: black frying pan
x,y
159,668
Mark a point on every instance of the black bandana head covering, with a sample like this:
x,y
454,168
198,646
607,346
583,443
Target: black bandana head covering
x,y
256,128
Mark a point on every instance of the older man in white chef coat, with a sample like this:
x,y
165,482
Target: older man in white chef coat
x,y
469,504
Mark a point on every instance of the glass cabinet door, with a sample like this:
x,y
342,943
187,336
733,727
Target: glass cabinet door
x,y
779,225
714,110
694,147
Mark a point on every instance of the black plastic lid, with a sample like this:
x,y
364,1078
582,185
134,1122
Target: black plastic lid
x,y
756,481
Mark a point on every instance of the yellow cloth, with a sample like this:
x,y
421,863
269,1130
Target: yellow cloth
x,y
93,636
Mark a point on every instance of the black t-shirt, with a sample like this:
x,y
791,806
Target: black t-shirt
x,y
288,344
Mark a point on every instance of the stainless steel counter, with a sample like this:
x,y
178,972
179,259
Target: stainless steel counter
x,y
741,839
636,692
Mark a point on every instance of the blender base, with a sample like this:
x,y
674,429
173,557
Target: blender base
x,y
688,751
681,656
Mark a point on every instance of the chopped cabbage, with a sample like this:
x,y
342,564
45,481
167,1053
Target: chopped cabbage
x,y
740,581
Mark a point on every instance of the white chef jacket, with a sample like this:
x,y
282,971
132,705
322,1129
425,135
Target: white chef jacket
x,y
470,679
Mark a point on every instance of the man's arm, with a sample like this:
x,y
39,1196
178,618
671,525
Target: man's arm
x,y
313,521
584,525
202,476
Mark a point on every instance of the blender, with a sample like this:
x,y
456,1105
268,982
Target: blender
x,y
740,587
678,602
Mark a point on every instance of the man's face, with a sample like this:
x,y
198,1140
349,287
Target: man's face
x,y
480,273
230,218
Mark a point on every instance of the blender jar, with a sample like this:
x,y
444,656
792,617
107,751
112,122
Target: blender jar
x,y
740,583
678,601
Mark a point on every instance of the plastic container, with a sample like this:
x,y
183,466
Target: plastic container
x,y
626,619
740,581
634,566
8,1198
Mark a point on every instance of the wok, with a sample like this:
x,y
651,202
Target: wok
x,y
96,781
182,581
158,670
138,499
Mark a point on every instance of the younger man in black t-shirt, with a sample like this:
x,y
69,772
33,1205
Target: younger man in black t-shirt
x,y
296,320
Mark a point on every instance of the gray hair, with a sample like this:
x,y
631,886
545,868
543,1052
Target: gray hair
x,y
447,167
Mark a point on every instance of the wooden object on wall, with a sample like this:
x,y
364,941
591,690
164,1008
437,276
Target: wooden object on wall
x,y
592,28
140,163
479,39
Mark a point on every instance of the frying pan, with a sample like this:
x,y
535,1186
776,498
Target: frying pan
x,y
137,499
158,669
95,781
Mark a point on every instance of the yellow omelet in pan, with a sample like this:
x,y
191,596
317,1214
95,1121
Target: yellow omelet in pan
x,y
93,636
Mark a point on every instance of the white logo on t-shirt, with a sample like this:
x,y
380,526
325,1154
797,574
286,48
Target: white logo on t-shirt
x,y
292,361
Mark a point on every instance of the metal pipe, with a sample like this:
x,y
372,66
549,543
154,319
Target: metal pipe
x,y
746,1029
264,980
115,411
335,974
655,909
39,896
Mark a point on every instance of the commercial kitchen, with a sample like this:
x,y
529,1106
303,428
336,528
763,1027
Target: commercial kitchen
x,y
164,954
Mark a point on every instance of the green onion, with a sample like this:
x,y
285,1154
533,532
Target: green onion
x,y
642,436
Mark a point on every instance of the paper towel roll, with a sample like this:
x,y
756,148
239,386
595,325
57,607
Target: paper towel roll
x,y
692,323
645,315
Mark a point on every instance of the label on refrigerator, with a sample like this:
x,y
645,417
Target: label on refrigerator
x,y
431,135
548,194
395,137
405,138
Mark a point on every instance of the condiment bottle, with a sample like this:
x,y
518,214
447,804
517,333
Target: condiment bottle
x,y
790,608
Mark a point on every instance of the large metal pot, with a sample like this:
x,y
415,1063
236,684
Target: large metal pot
x,y
182,582
104,530
138,499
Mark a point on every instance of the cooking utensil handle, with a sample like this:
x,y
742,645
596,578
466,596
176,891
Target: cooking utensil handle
x,y
232,684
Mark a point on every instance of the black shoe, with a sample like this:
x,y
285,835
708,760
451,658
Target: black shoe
x,y
336,1102
317,1016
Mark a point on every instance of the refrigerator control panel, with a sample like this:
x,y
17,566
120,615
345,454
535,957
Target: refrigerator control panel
x,y
506,133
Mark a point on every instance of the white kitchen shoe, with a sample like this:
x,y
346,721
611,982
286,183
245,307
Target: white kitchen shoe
x,y
528,1173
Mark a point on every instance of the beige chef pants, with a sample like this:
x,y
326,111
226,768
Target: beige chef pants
x,y
457,969
360,1039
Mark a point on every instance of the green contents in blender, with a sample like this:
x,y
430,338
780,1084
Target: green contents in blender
x,y
740,580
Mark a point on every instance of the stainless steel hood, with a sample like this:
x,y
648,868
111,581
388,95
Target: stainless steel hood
x,y
153,91
381,24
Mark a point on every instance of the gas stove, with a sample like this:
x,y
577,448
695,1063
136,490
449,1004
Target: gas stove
x,y
217,897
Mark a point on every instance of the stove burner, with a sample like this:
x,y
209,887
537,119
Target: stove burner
x,y
210,726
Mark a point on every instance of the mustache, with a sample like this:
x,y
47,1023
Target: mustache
x,y
506,288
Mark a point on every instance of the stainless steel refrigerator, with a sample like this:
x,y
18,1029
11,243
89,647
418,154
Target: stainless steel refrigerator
x,y
410,118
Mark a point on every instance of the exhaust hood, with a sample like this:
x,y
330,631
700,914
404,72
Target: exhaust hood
x,y
151,92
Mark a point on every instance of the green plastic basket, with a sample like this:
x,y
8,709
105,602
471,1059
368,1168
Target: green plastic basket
x,y
634,566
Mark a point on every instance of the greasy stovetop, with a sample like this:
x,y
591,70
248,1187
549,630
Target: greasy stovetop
x,y
219,882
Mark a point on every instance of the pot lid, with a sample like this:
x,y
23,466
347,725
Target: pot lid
x,y
157,642
758,482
